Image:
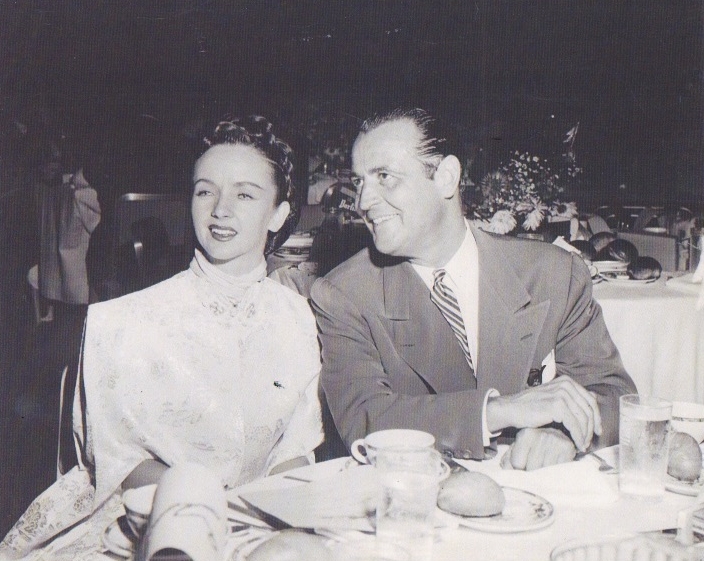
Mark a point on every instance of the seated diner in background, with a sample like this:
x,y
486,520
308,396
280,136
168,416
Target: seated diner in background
x,y
217,365
448,329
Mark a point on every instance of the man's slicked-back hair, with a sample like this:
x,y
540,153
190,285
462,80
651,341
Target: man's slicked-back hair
x,y
435,142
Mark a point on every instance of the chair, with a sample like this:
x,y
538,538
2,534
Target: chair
x,y
65,453
38,300
153,239
172,209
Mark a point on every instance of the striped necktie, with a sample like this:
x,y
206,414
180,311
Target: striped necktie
x,y
443,297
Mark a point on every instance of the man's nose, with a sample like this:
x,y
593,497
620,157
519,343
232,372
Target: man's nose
x,y
367,196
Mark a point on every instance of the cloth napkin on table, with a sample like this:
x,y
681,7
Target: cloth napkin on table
x,y
691,282
577,483
343,500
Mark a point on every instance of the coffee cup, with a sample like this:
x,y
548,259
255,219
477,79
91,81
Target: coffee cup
x,y
364,450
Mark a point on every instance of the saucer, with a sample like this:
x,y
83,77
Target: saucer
x,y
119,539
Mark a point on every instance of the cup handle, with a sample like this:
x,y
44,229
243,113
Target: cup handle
x,y
444,470
359,452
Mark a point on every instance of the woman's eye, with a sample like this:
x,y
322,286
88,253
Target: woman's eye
x,y
244,196
202,192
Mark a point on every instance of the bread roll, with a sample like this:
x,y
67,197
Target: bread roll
x,y
471,494
291,545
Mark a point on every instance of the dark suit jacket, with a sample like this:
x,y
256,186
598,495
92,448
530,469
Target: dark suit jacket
x,y
390,359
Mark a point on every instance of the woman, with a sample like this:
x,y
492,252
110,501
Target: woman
x,y
217,364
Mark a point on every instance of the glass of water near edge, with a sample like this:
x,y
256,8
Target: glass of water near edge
x,y
644,439
409,480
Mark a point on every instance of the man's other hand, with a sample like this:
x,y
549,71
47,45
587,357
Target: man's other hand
x,y
536,448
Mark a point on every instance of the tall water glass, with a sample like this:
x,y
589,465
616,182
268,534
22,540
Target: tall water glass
x,y
644,437
408,493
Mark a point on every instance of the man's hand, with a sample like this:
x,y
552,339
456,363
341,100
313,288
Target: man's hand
x,y
536,448
561,400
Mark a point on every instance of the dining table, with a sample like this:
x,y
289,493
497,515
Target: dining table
x,y
554,505
659,333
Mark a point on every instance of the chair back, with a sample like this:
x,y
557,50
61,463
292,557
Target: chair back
x,y
172,210
65,451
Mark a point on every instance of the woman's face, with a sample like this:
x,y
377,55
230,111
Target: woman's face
x,y
233,206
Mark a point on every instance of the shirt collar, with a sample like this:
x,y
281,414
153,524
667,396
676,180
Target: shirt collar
x,y
459,264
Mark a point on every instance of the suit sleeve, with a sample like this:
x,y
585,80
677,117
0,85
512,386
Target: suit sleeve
x,y
584,351
361,394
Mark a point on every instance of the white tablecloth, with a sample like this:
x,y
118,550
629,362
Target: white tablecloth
x,y
573,518
660,336
571,521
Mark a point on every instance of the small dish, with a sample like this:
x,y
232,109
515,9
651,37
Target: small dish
x,y
523,512
627,282
610,266
655,230
689,488
119,539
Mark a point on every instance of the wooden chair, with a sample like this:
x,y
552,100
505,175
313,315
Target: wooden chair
x,y
65,453
153,239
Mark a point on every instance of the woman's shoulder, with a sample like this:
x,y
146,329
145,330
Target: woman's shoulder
x,y
285,298
155,295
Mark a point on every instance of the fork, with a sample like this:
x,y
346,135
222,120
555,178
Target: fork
x,y
604,466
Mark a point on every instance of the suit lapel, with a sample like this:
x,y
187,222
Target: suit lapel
x,y
422,336
509,321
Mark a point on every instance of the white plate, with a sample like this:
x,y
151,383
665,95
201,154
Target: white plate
x,y
690,488
118,539
523,512
295,241
293,257
610,266
628,282
655,230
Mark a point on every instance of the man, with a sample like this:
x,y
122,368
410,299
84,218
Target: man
x,y
391,356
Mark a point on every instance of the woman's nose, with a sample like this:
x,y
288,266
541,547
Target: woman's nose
x,y
222,208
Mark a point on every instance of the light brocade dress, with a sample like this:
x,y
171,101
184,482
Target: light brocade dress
x,y
201,367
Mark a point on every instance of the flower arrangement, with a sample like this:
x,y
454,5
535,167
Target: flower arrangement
x,y
524,191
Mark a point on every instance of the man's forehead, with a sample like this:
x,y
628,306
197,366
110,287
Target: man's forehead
x,y
394,138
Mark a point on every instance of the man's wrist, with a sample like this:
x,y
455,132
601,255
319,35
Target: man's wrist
x,y
497,413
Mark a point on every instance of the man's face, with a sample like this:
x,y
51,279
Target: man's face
x,y
401,206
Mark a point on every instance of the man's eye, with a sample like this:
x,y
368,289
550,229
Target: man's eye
x,y
357,182
244,196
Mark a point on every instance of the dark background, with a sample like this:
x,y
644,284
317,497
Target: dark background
x,y
510,74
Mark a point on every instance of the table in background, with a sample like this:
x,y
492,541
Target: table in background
x,y
660,336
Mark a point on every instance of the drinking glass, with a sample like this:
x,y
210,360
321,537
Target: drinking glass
x,y
644,435
408,492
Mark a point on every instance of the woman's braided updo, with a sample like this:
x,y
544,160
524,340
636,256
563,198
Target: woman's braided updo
x,y
256,131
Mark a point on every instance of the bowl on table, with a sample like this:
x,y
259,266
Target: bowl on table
x,y
688,417
138,506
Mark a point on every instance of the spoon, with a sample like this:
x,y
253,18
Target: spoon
x,y
604,466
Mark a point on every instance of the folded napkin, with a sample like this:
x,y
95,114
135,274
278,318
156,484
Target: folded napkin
x,y
189,515
343,500
685,283
691,282
577,483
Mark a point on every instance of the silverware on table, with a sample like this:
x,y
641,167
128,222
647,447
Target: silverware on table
x,y
604,466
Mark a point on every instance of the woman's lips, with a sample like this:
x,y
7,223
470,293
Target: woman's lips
x,y
222,233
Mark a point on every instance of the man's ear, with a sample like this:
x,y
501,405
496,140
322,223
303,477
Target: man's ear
x,y
448,175
279,217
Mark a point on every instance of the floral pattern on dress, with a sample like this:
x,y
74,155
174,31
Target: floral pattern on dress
x,y
178,373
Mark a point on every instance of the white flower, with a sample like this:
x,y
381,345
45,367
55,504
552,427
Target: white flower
x,y
502,222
